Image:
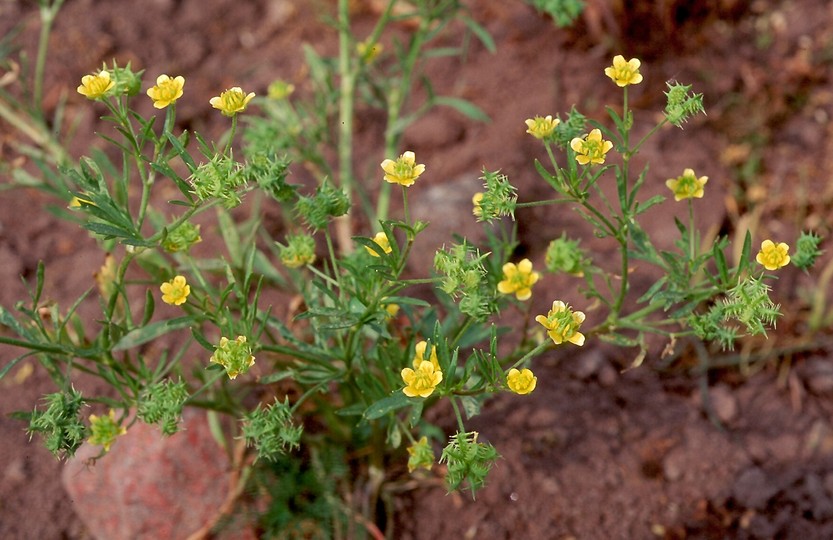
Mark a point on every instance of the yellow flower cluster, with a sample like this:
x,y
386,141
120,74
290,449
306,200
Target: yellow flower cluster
x,y
591,149
624,72
521,381
232,101
175,292
773,256
105,430
562,324
169,89
404,170
518,279
381,240
425,375
96,86
541,127
475,202
235,356
166,91
687,186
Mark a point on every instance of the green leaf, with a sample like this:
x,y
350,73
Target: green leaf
x,y
464,107
395,401
416,412
545,174
200,338
619,340
471,406
108,231
720,262
8,367
181,151
184,187
150,332
653,290
653,201
150,305
231,236
481,33
745,255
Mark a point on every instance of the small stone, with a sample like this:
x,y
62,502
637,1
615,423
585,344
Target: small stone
x,y
150,486
828,483
539,417
608,376
785,447
673,466
753,489
588,364
818,374
15,472
723,402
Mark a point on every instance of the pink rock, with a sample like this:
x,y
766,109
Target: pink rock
x,y
150,486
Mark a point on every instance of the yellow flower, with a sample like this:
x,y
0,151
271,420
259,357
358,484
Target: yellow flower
x,y
106,277
391,310
105,430
475,201
381,240
235,356
232,101
521,382
541,127
687,186
624,72
420,455
562,324
421,381
419,355
403,171
96,86
175,292
591,149
518,279
773,256
279,90
166,91
369,51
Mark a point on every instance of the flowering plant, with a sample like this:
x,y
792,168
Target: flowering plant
x,y
357,349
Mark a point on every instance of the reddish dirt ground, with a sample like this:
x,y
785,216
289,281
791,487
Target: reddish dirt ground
x,y
596,451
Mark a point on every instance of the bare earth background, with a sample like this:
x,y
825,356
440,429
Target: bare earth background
x,y
595,451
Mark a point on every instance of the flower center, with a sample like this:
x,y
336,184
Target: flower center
x,y
624,73
773,257
687,185
403,169
593,149
233,101
423,380
168,91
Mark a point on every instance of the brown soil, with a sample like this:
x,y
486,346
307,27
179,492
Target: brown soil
x,y
595,451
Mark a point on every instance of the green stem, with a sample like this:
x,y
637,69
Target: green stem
x,y
624,234
346,101
397,95
306,395
534,352
405,206
231,135
35,131
47,15
691,237
648,136
458,415
208,383
531,204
